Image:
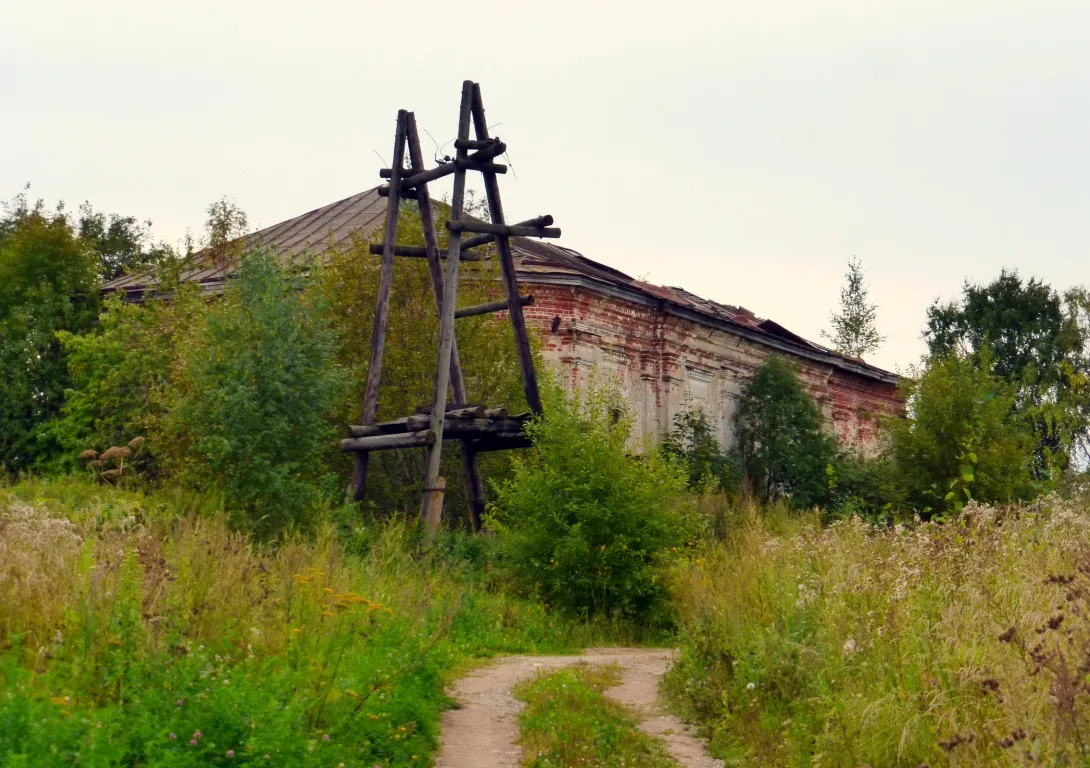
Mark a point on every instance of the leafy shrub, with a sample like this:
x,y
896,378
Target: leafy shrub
x,y
259,389
124,376
693,443
48,283
865,486
583,523
960,439
782,447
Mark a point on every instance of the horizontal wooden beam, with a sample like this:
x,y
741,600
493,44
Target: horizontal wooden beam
x,y
439,171
406,194
463,422
503,442
484,227
474,144
492,306
387,442
490,150
420,252
450,407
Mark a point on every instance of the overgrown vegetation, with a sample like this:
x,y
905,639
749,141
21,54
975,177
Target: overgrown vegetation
x,y
782,444
569,722
584,524
252,615
962,643
258,390
141,629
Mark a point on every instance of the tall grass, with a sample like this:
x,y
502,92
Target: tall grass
x,y
140,629
965,644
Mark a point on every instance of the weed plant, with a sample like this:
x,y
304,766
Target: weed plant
x,y
141,630
965,643
569,722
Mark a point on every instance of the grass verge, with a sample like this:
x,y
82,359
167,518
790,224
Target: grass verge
x,y
965,643
139,629
569,721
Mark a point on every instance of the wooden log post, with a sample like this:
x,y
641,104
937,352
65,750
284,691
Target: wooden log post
x,y
490,307
387,442
382,303
431,510
507,264
471,472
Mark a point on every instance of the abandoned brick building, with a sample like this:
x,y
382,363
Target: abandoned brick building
x,y
665,348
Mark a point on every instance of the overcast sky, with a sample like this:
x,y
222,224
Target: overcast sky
x,y
742,150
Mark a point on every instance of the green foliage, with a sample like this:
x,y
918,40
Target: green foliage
x,y
865,486
960,439
583,523
569,721
123,376
485,345
693,443
128,617
781,444
955,644
48,283
121,242
1028,335
855,332
259,388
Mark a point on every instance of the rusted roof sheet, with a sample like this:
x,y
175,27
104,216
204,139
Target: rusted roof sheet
x,y
310,234
360,216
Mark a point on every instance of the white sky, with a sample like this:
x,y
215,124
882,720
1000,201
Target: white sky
x,y
741,150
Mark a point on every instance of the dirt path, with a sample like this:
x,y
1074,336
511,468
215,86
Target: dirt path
x,y
483,733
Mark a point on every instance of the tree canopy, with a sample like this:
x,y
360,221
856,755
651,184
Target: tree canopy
x,y
1029,335
855,329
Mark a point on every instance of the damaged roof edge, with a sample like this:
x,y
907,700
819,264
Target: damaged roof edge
x,y
756,335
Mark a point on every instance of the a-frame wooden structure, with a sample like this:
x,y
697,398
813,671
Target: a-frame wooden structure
x,y
477,428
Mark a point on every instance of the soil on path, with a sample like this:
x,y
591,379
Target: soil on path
x,y
483,732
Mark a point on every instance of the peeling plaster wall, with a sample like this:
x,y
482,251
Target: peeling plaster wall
x,y
663,363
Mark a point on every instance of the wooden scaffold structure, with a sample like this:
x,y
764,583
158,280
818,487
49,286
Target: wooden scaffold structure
x,y
477,427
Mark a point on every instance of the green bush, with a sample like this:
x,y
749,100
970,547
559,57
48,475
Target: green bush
x,y
961,439
124,377
782,447
48,283
864,486
585,524
258,391
692,443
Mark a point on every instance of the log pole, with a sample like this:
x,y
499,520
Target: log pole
x,y
492,306
431,507
471,472
382,304
507,264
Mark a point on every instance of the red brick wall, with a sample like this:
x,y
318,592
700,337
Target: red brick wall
x,y
664,363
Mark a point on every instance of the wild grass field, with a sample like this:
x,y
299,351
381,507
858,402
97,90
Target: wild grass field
x,y
961,643
138,629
